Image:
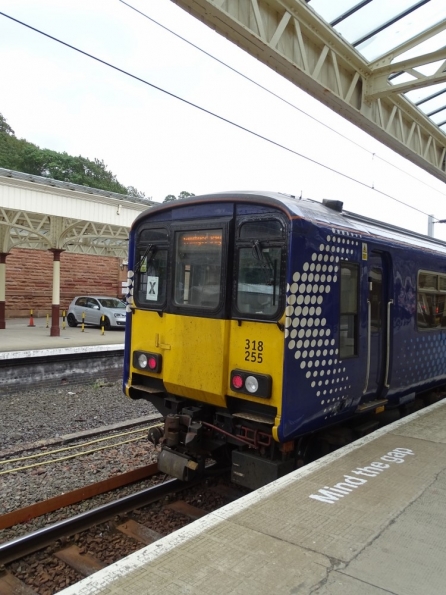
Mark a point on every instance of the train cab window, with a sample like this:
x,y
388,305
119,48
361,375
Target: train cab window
x,y
198,265
431,301
259,268
151,268
258,280
348,341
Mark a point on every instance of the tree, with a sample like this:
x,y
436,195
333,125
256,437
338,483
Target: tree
x,y
5,128
21,155
135,193
182,194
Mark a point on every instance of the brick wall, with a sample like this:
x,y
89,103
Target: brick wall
x,y
29,278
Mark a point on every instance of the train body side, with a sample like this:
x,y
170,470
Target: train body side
x,y
394,359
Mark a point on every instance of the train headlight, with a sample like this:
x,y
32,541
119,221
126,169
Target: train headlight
x,y
251,384
258,385
143,360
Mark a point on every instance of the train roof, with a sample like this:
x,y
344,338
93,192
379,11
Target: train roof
x,y
328,213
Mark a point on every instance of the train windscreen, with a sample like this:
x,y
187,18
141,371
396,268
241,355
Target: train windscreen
x,y
198,261
259,268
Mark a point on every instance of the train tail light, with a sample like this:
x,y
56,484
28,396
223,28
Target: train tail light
x,y
257,385
143,360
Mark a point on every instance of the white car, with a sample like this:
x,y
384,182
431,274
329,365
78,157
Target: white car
x,y
94,307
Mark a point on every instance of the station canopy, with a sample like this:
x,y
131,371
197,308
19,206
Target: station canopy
x,y
404,43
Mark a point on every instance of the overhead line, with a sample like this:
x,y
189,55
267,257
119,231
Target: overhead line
x,y
223,119
294,106
289,103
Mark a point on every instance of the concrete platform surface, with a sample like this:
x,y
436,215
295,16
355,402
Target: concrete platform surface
x,y
369,519
18,337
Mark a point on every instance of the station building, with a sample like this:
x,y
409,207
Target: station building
x,y
59,240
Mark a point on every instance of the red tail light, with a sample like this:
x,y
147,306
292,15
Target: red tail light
x,y
257,385
152,363
237,382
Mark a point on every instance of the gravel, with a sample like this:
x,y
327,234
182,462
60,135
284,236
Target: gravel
x,y
47,414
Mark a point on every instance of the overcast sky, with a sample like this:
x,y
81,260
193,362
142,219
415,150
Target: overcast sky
x,y
62,100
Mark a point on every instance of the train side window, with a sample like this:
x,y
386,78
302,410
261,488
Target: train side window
x,y
348,342
431,300
151,268
375,294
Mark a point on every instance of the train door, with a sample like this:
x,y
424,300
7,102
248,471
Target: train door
x,y
378,356
195,334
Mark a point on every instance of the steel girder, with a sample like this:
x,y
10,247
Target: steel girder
x,y
290,38
23,229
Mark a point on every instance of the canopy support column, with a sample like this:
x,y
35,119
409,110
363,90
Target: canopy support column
x,y
55,308
3,256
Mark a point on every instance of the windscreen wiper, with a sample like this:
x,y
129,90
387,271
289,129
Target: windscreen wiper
x,y
263,259
149,253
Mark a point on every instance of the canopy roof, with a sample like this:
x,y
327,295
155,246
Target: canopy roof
x,y
379,63
404,43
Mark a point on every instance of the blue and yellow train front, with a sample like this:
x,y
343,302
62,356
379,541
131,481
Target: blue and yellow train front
x,y
205,340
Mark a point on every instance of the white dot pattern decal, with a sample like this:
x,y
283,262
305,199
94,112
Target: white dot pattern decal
x,y
421,358
306,329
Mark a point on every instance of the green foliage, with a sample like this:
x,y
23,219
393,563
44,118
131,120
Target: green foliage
x,y
182,194
5,128
21,155
135,193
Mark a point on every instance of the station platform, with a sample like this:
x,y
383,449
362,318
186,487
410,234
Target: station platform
x,y
19,339
368,519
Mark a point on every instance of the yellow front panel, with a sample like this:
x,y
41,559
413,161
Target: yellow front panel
x,y
199,354
194,350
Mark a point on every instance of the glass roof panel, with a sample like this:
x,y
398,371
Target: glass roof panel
x,y
430,45
433,104
404,29
370,17
439,117
418,94
330,10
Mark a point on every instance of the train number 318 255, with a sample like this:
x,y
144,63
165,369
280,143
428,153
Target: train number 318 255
x,y
253,351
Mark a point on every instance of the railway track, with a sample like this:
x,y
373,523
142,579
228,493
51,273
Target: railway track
x,y
45,561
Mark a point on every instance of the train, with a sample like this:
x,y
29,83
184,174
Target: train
x,y
267,328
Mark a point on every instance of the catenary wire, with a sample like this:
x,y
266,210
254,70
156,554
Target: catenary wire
x,y
289,103
215,115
